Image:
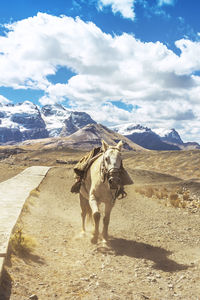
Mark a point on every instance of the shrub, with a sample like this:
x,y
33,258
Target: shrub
x,y
140,190
186,196
149,192
183,204
173,197
158,195
174,200
21,243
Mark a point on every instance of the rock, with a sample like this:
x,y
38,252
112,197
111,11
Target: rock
x,y
10,134
60,161
33,297
151,279
28,120
84,279
93,276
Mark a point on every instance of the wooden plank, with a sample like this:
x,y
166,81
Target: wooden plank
x,y
13,194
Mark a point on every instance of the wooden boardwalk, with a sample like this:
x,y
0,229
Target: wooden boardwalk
x,y
13,194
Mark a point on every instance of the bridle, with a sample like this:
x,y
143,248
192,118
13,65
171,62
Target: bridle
x,y
112,175
115,175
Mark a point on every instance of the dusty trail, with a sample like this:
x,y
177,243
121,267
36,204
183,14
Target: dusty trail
x,y
153,252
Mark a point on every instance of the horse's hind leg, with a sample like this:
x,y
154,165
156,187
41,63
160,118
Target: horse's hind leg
x,y
85,209
106,221
96,217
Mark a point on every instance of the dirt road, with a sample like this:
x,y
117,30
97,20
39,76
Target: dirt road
x,y
153,251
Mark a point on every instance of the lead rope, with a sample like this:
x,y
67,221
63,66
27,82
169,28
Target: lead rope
x,y
114,197
104,174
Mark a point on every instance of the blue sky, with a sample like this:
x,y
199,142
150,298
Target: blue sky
x,y
134,61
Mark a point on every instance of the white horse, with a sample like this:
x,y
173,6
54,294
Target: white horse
x,y
101,184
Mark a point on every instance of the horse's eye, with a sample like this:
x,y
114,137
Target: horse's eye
x,y
107,159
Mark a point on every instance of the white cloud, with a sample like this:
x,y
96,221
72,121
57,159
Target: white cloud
x,y
166,2
124,7
4,100
107,68
189,59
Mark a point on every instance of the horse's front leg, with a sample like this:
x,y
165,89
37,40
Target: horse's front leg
x,y
106,220
83,204
96,217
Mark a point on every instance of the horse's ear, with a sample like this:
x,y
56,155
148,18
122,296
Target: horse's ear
x,y
104,146
119,145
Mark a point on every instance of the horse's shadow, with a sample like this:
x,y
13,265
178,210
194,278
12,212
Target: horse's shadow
x,y
121,247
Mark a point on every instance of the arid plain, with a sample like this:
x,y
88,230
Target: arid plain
x,y
154,246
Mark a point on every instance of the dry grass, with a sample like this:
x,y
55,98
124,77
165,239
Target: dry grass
x,y
35,193
149,192
186,196
21,243
181,164
31,200
178,197
174,199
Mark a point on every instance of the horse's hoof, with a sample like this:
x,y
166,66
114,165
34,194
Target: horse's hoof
x,y
105,237
94,240
82,233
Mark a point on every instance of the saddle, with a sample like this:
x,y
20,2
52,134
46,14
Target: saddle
x,y
84,164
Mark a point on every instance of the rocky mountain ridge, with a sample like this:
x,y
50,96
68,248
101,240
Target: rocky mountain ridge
x,y
157,139
92,134
27,121
146,138
21,122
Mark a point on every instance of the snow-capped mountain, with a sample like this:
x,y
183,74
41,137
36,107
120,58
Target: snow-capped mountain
x,y
76,121
21,116
20,122
92,134
169,135
54,117
144,137
62,121
130,128
87,138
27,121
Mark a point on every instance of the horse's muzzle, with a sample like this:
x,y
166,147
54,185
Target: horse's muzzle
x,y
114,182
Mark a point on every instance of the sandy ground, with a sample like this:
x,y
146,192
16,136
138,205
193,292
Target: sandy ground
x,y
7,171
153,250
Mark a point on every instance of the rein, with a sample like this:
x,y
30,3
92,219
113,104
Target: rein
x,y
107,173
113,173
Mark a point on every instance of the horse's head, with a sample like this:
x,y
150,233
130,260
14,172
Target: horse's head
x,y
112,163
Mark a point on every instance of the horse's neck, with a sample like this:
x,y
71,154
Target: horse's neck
x,y
96,166
99,161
